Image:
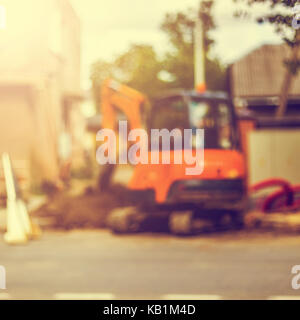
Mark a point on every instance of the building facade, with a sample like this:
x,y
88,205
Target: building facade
x,y
272,144
39,85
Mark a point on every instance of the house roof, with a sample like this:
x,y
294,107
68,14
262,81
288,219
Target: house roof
x,y
261,73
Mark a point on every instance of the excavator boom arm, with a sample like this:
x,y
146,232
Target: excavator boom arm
x,y
118,97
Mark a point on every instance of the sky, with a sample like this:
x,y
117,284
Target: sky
x,y
110,26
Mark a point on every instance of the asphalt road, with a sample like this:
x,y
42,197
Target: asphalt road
x,y
96,264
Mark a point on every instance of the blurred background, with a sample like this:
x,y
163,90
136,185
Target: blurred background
x,y
55,56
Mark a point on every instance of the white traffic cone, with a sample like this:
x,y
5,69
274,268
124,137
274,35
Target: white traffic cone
x,y
17,230
16,233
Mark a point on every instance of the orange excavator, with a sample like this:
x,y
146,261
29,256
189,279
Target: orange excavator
x,y
165,190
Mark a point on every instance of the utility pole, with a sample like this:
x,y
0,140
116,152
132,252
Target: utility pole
x,y
199,57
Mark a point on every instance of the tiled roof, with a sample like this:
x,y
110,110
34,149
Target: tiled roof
x,y
261,73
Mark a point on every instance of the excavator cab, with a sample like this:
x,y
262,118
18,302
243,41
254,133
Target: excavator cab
x,y
212,112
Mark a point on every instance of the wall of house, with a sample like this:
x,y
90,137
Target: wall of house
x,y
274,153
40,53
28,132
17,132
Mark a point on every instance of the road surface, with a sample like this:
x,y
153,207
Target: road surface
x,y
98,265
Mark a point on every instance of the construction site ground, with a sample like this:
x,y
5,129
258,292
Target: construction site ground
x,y
83,206
94,264
77,258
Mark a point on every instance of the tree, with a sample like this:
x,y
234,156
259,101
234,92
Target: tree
x,y
141,68
179,62
138,67
285,24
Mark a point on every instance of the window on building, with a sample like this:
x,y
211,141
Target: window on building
x,y
2,17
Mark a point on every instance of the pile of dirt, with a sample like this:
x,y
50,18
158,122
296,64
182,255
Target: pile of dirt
x,y
88,210
279,222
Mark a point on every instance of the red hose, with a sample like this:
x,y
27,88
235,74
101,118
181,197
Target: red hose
x,y
286,190
277,200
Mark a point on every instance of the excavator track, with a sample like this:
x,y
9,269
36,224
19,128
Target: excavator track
x,y
126,220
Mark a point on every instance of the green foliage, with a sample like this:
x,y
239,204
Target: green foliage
x,y
180,26
180,61
141,68
138,68
279,14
